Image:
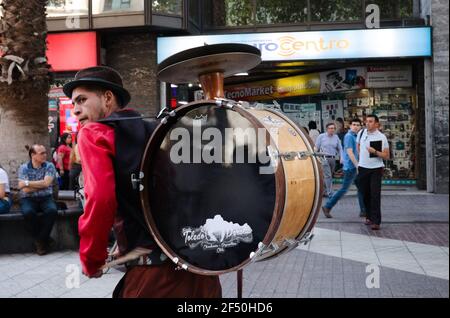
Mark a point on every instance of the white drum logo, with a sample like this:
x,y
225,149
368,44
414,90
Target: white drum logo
x,y
217,234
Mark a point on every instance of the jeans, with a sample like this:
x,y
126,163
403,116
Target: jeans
x,y
370,185
328,166
5,205
349,177
39,228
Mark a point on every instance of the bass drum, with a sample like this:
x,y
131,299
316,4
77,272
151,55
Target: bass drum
x,y
218,192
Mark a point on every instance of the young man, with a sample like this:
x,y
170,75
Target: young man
x,y
111,150
330,144
373,148
36,195
350,167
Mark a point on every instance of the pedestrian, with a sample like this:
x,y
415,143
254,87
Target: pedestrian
x,y
63,162
5,192
36,196
75,167
109,158
373,148
350,167
329,144
313,132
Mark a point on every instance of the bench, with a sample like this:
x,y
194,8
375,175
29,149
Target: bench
x,y
15,239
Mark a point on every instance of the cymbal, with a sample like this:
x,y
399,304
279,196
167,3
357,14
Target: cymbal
x,y
188,65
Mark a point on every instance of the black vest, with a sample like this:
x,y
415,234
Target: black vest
x,y
131,137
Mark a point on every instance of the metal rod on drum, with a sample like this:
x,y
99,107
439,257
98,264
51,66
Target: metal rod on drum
x,y
239,283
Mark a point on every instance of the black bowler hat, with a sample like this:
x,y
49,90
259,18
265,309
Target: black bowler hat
x,y
102,76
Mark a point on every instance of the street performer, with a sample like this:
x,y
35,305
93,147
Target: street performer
x,y
112,141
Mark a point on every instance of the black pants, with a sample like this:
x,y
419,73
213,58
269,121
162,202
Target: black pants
x,y
75,171
65,180
369,181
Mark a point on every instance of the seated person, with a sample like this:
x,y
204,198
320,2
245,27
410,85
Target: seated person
x,y
5,196
36,189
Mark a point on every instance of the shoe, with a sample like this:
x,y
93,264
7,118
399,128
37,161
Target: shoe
x,y
50,244
368,222
326,211
375,227
40,248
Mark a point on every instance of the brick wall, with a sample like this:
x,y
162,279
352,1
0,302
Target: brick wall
x,y
134,56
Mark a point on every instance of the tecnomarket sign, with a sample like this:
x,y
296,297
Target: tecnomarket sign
x,y
315,45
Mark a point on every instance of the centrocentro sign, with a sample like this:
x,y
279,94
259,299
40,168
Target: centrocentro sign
x,y
315,45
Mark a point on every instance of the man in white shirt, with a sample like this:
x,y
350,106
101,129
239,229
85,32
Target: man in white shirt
x,y
373,149
5,200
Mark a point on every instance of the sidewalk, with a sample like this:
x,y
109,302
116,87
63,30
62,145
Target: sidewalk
x,y
410,251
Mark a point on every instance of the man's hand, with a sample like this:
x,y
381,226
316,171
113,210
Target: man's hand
x,y
371,150
98,274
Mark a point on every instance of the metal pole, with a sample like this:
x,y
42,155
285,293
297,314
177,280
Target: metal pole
x,y
239,283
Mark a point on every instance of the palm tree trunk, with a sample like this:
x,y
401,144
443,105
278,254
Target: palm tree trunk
x,y
24,81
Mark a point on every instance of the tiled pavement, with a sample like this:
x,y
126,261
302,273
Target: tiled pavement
x,y
411,252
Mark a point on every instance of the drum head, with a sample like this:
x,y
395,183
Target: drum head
x,y
210,216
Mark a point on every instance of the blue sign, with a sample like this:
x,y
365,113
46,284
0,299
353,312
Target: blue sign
x,y
315,45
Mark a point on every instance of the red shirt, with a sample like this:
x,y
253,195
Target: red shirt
x,y
65,150
97,150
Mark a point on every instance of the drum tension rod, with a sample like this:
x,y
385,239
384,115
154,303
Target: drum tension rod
x,y
301,155
167,113
228,103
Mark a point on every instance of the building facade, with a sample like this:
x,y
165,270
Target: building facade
x,y
408,92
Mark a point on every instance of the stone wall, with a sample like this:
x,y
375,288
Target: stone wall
x,y
23,121
134,56
439,20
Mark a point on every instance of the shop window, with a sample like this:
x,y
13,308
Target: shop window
x,y
228,12
172,7
194,11
336,10
281,11
395,109
394,9
110,6
61,8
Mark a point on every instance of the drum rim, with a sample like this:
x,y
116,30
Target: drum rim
x,y
280,192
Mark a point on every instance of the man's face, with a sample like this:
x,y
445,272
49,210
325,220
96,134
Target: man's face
x,y
331,129
371,123
40,155
355,127
89,106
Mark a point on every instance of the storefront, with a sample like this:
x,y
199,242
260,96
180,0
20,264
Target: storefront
x,y
379,73
67,53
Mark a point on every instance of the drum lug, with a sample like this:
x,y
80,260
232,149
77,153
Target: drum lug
x,y
307,238
137,182
290,243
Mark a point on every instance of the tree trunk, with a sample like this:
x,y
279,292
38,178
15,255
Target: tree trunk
x,y
24,81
